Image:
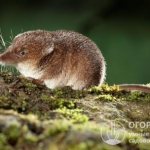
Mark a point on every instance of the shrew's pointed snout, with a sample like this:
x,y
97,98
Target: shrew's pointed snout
x,y
7,58
4,58
1,59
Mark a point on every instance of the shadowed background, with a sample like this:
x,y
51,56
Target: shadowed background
x,y
121,29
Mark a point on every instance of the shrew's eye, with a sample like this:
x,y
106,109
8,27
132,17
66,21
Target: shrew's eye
x,y
23,52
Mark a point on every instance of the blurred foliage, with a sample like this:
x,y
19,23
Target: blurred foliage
x,y
120,28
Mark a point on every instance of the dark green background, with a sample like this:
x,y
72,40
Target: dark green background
x,y
121,28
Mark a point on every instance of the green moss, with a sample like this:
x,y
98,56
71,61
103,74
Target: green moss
x,y
3,139
85,145
58,126
8,77
69,93
3,98
45,97
3,143
105,97
138,96
104,89
60,134
30,86
12,133
31,138
74,114
60,103
64,118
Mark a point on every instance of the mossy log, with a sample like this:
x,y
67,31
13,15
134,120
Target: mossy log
x,y
33,117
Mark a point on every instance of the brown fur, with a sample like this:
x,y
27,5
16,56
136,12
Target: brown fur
x,y
74,56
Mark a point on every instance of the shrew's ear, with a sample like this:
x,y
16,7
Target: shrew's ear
x,y
48,49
